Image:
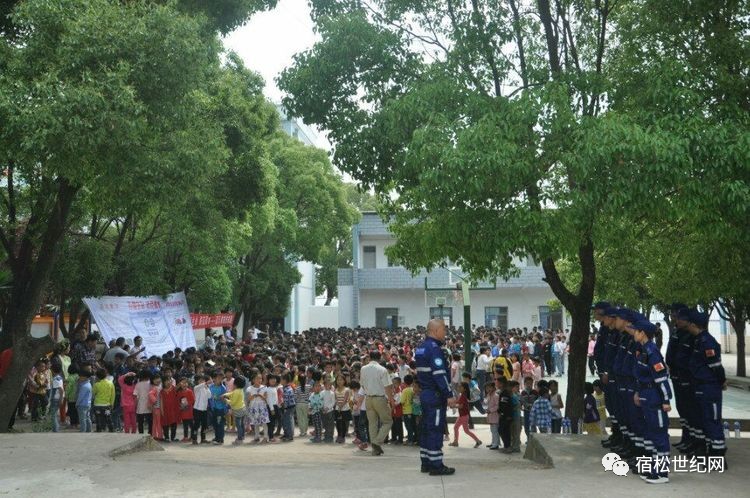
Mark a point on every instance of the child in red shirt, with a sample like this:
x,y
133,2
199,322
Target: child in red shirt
x,y
186,399
397,430
170,410
463,417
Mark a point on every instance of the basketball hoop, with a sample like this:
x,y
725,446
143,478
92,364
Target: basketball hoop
x,y
442,298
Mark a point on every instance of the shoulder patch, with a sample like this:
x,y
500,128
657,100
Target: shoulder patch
x,y
659,367
710,353
438,362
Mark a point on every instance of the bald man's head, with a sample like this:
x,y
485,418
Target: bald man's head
x,y
436,329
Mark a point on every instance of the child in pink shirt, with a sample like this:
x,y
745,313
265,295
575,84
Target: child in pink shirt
x,y
127,401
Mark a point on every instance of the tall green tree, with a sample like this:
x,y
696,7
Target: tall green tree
x,y
98,99
684,68
488,120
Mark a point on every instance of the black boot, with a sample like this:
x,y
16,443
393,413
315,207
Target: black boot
x,y
719,454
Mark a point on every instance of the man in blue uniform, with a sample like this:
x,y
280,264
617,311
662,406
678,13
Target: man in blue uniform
x,y
677,372
709,380
436,396
689,406
609,380
652,397
623,317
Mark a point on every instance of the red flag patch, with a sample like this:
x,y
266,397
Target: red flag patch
x,y
659,367
710,353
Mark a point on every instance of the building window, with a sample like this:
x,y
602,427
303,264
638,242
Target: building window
x,y
368,257
444,312
496,316
550,319
386,318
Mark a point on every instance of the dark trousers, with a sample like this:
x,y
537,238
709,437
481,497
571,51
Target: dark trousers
x,y
273,420
342,423
72,413
187,429
481,380
550,365
362,425
287,415
218,419
38,406
144,417
317,421
556,425
411,430
200,424
170,432
397,430
504,429
592,367
329,422
526,423
103,418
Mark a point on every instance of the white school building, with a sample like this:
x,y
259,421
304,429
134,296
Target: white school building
x,y
376,292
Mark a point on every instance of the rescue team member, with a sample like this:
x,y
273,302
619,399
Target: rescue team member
x,y
435,397
676,360
709,380
653,400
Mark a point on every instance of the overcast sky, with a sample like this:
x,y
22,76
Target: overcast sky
x,y
268,42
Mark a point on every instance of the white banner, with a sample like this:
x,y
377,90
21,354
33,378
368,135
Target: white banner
x,y
164,324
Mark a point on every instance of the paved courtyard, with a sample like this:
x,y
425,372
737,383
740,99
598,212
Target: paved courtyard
x,y
76,465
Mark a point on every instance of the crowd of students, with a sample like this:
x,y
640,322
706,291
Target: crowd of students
x,y
264,388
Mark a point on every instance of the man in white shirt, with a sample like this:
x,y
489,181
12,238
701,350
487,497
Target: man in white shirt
x,y
376,383
560,348
483,366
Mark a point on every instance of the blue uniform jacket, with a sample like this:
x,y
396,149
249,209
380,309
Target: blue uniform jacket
x,y
600,349
651,372
610,351
705,362
622,351
432,369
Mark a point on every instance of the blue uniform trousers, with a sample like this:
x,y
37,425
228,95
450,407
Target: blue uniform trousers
x,y
432,430
656,430
709,401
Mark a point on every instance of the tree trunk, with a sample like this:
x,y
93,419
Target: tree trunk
x,y
739,329
330,294
577,360
25,351
247,314
30,277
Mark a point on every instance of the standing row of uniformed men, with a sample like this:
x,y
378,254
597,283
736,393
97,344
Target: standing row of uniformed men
x,y
638,395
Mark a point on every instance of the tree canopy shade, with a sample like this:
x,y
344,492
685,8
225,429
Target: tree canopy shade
x,y
501,123
120,127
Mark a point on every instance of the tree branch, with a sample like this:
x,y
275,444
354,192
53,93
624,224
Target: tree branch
x,y
464,65
549,32
519,43
488,49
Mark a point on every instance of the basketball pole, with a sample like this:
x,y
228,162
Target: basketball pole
x,y
467,327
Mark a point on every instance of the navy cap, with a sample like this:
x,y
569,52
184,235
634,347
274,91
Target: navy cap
x,y
644,326
683,314
600,305
626,314
638,317
611,311
698,318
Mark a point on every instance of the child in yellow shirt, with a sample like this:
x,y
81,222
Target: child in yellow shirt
x,y
236,400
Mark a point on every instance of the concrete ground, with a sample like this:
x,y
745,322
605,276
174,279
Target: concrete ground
x,y
81,465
